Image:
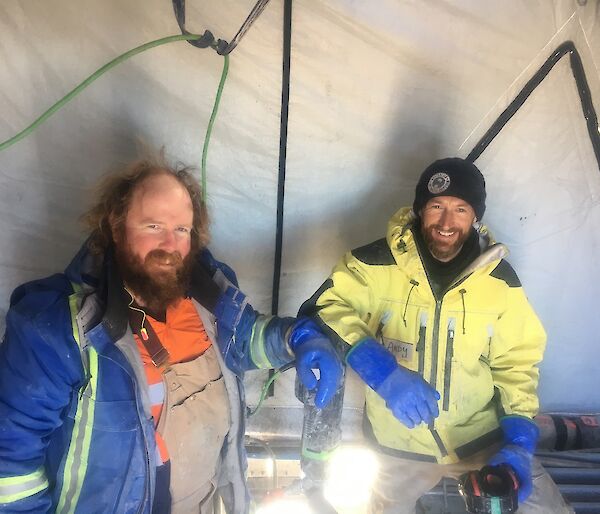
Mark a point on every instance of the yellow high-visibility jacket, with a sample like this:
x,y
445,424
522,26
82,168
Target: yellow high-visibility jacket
x,y
479,345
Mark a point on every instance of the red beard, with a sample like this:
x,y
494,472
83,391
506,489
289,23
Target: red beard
x,y
161,280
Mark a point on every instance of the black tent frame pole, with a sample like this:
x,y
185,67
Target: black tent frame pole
x,y
283,132
585,97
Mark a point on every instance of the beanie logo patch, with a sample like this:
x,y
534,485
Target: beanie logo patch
x,y
438,183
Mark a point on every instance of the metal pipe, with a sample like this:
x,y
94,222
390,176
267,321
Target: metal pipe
x,y
580,492
586,508
574,475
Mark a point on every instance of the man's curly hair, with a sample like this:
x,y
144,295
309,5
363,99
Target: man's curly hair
x,y
115,191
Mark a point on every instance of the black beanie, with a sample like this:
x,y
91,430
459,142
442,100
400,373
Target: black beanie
x,y
452,177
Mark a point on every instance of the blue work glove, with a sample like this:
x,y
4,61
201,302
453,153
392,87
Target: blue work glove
x,y
314,351
520,438
410,398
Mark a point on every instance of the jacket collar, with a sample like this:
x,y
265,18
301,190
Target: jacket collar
x,y
404,249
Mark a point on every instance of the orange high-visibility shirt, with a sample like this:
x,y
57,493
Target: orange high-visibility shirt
x,y
184,337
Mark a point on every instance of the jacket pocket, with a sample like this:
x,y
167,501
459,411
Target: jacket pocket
x,y
407,344
448,363
105,460
194,429
421,343
108,416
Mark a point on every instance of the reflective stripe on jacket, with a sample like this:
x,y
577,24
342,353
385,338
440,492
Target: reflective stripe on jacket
x,y
479,345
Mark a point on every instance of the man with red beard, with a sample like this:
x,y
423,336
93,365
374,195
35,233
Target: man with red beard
x,y
121,379
434,320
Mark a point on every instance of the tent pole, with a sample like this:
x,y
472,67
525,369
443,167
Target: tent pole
x,y
283,128
283,131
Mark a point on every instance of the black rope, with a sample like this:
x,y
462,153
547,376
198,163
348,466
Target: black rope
x,y
257,10
207,38
589,113
221,46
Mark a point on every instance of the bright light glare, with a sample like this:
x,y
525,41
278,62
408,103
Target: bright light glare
x,y
269,468
287,505
351,473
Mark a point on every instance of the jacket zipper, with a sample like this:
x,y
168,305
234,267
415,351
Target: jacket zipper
x,y
437,439
435,343
421,343
147,481
448,363
147,486
436,331
379,333
434,367
434,357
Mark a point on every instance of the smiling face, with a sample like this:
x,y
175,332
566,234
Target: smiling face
x,y
160,217
153,246
445,225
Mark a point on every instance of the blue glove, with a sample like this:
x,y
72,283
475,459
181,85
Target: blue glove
x,y
314,351
410,398
520,438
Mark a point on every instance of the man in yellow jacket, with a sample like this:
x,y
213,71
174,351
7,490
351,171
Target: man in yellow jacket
x,y
436,323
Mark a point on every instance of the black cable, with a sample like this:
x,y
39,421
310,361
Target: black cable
x,y
589,113
257,10
267,386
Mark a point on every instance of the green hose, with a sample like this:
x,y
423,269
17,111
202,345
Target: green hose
x,y
212,121
268,383
25,132
118,60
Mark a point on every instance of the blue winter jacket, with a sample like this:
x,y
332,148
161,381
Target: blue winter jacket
x,y
76,435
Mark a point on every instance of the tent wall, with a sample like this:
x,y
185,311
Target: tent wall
x,y
378,90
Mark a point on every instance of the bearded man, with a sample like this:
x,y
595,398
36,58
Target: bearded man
x,y
436,323
121,379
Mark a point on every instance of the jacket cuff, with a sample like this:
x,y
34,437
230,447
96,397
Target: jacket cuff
x,y
301,331
520,431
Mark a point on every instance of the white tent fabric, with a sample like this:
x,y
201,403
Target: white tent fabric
x,y
378,91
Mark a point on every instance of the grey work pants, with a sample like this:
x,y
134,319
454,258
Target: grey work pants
x,y
401,482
